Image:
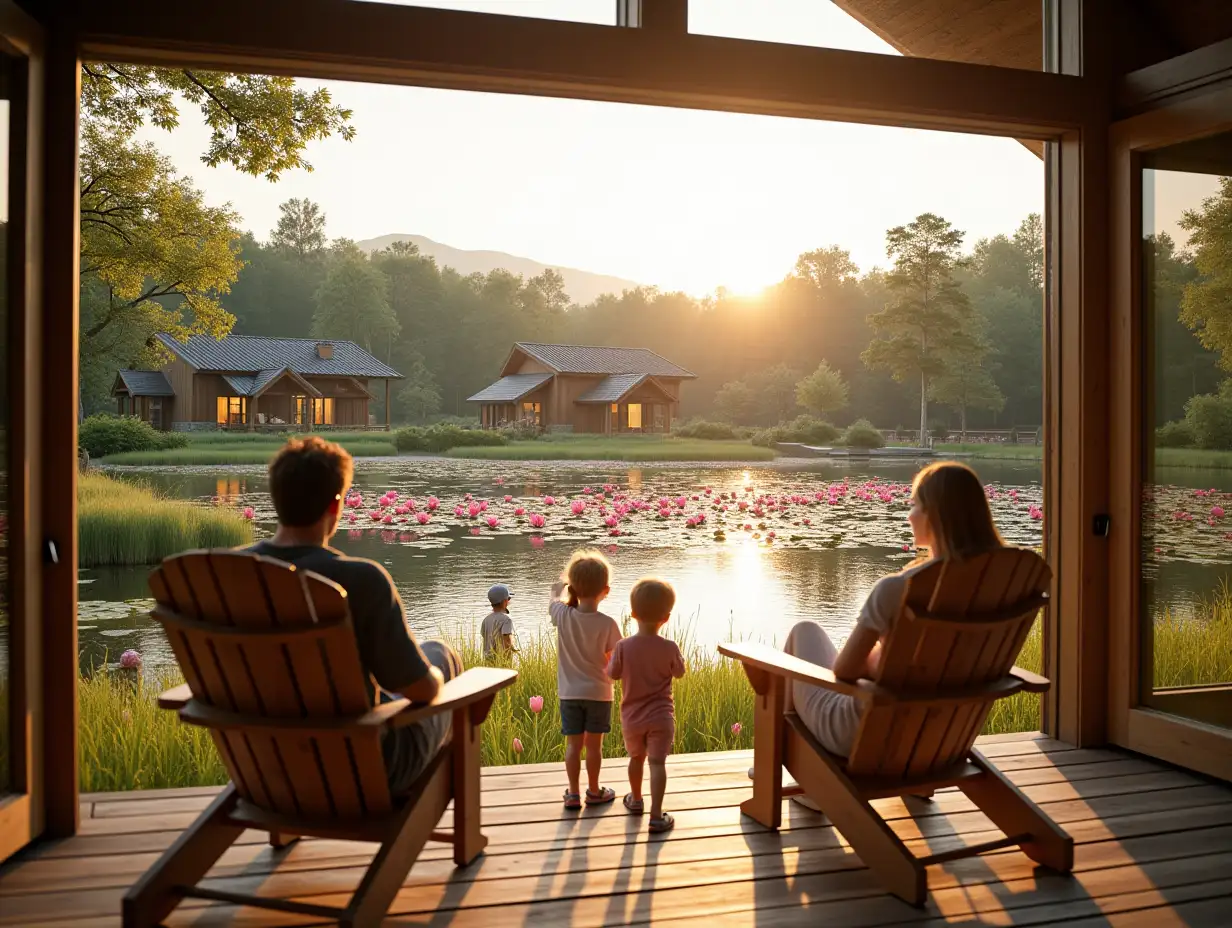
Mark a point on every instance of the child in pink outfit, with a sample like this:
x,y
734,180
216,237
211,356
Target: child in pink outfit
x,y
646,664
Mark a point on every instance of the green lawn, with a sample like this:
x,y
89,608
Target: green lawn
x,y
990,451
617,448
230,448
1193,457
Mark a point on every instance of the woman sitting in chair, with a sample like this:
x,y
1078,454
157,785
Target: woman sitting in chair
x,y
949,518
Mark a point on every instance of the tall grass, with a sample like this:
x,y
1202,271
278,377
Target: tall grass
x,y
992,450
127,743
121,522
618,448
1195,652
1201,458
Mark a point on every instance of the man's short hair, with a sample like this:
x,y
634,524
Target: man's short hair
x,y
306,476
652,599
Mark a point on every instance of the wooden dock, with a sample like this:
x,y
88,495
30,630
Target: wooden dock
x,y
1154,848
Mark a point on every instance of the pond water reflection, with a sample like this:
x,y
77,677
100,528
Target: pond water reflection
x,y
779,542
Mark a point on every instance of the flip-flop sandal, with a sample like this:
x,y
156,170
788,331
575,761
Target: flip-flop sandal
x,y
636,806
604,796
660,825
572,800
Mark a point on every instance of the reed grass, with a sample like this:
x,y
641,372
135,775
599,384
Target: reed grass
x,y
128,743
124,522
1198,651
618,448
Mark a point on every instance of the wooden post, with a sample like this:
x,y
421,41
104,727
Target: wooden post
x,y
250,413
61,329
387,418
766,806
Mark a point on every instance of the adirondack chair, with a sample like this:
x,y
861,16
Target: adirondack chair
x,y
273,672
948,658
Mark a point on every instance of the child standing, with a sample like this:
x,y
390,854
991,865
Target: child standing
x,y
646,664
497,628
584,642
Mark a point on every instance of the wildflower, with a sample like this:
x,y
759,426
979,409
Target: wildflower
x,y
736,728
130,659
536,704
517,745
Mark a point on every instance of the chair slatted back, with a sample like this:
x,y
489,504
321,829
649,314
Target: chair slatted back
x,y
961,624
256,636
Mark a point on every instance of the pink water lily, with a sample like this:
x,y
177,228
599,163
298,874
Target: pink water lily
x,y
577,507
549,501
508,498
536,704
611,521
351,517
459,511
130,659
375,515
387,519
537,520
473,510
520,511
1217,512
249,513
422,518
493,521
433,503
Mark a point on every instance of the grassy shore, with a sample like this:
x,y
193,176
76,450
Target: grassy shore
x,y
121,522
1197,458
128,743
214,448
991,451
618,448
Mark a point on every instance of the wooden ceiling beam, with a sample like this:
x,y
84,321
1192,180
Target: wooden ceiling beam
x,y
418,46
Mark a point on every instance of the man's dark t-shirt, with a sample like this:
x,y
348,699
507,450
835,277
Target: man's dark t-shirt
x,y
387,652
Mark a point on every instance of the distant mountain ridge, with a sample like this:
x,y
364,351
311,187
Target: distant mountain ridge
x,y
582,286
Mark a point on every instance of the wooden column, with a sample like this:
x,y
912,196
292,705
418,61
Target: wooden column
x,y
61,244
1077,333
386,406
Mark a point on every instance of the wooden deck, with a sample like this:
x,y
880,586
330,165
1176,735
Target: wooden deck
x,y
1154,848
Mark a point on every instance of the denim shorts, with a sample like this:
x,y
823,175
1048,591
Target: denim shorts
x,y
591,716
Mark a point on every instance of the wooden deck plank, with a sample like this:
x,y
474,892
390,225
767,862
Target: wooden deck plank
x,y
1154,845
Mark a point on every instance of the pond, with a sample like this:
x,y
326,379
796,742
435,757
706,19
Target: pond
x,y
776,542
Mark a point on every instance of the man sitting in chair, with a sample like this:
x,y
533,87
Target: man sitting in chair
x,y
309,479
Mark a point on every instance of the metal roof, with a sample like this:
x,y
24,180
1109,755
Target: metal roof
x,y
511,388
145,383
612,388
241,384
251,353
586,359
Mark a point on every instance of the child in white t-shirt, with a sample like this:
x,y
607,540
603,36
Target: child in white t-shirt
x,y
584,642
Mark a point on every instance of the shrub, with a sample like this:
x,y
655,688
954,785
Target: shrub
x,y
1176,434
1209,418
939,431
805,429
862,434
104,434
437,438
706,430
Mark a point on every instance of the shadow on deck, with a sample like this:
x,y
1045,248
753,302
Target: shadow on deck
x,y
1154,848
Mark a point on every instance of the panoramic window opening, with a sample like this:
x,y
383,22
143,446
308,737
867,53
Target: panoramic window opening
x,y
717,347
600,12
1186,597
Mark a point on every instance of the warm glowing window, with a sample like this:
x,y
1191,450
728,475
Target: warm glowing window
x,y
323,411
299,409
635,415
231,410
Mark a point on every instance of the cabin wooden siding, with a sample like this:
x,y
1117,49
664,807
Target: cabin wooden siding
x,y
350,405
179,374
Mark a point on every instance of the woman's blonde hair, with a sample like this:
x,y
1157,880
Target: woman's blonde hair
x,y
956,506
587,574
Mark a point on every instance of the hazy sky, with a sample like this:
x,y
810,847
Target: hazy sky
x,y
679,198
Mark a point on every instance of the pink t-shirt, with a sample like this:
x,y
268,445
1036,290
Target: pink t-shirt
x,y
645,665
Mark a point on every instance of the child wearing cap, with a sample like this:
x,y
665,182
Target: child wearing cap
x,y
497,628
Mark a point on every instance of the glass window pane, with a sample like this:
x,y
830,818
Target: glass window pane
x,y
600,12
1187,423
1006,35
5,753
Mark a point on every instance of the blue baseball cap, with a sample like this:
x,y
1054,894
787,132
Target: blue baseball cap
x,y
499,593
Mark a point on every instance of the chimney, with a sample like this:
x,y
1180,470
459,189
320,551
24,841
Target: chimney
x,y
325,351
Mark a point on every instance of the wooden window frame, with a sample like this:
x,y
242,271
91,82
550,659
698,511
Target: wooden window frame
x,y
661,64
1194,110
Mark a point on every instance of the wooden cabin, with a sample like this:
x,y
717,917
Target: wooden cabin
x,y
250,382
581,388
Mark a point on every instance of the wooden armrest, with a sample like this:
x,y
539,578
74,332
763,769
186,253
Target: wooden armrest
x,y
1031,682
176,698
779,663
469,687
